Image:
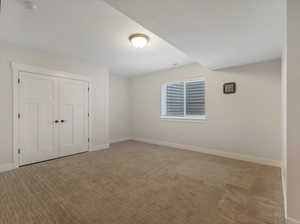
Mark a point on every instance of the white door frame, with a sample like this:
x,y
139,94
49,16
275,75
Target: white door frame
x,y
16,69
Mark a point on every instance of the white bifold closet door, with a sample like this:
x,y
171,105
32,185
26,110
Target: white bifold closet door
x,y
53,117
38,97
73,112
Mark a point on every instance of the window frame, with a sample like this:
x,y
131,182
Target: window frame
x,y
185,117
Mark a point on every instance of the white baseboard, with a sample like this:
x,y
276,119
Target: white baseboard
x,y
120,140
230,155
7,167
292,221
284,191
99,147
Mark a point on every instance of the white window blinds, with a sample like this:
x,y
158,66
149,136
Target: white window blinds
x,y
175,99
195,98
183,99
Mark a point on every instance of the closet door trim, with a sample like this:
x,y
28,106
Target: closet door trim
x,y
16,69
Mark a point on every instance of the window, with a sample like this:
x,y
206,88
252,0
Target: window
x,y
183,100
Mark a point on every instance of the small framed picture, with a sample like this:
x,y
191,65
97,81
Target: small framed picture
x,y
229,88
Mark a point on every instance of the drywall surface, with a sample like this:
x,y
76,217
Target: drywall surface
x,y
100,92
292,111
242,125
119,107
284,113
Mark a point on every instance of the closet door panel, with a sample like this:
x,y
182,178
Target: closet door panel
x,y
37,104
73,113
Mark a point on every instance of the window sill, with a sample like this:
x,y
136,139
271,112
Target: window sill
x,y
192,119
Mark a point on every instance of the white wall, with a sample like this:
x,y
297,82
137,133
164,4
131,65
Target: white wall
x,y
292,90
100,93
119,104
244,125
284,112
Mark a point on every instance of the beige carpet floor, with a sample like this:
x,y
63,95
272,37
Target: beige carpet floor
x,y
137,183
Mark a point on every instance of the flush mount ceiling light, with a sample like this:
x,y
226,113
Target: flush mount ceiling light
x,y
28,4
139,40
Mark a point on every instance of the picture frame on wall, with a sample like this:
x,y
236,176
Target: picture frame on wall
x,y
229,88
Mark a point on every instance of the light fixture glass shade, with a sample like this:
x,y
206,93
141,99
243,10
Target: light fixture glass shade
x,y
29,4
139,40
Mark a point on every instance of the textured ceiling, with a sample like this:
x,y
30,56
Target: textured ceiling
x,y
216,33
90,30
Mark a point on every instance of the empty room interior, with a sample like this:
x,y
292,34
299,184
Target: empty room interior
x,y
149,112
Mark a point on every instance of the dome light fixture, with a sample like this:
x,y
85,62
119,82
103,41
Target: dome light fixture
x,y
28,4
139,40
